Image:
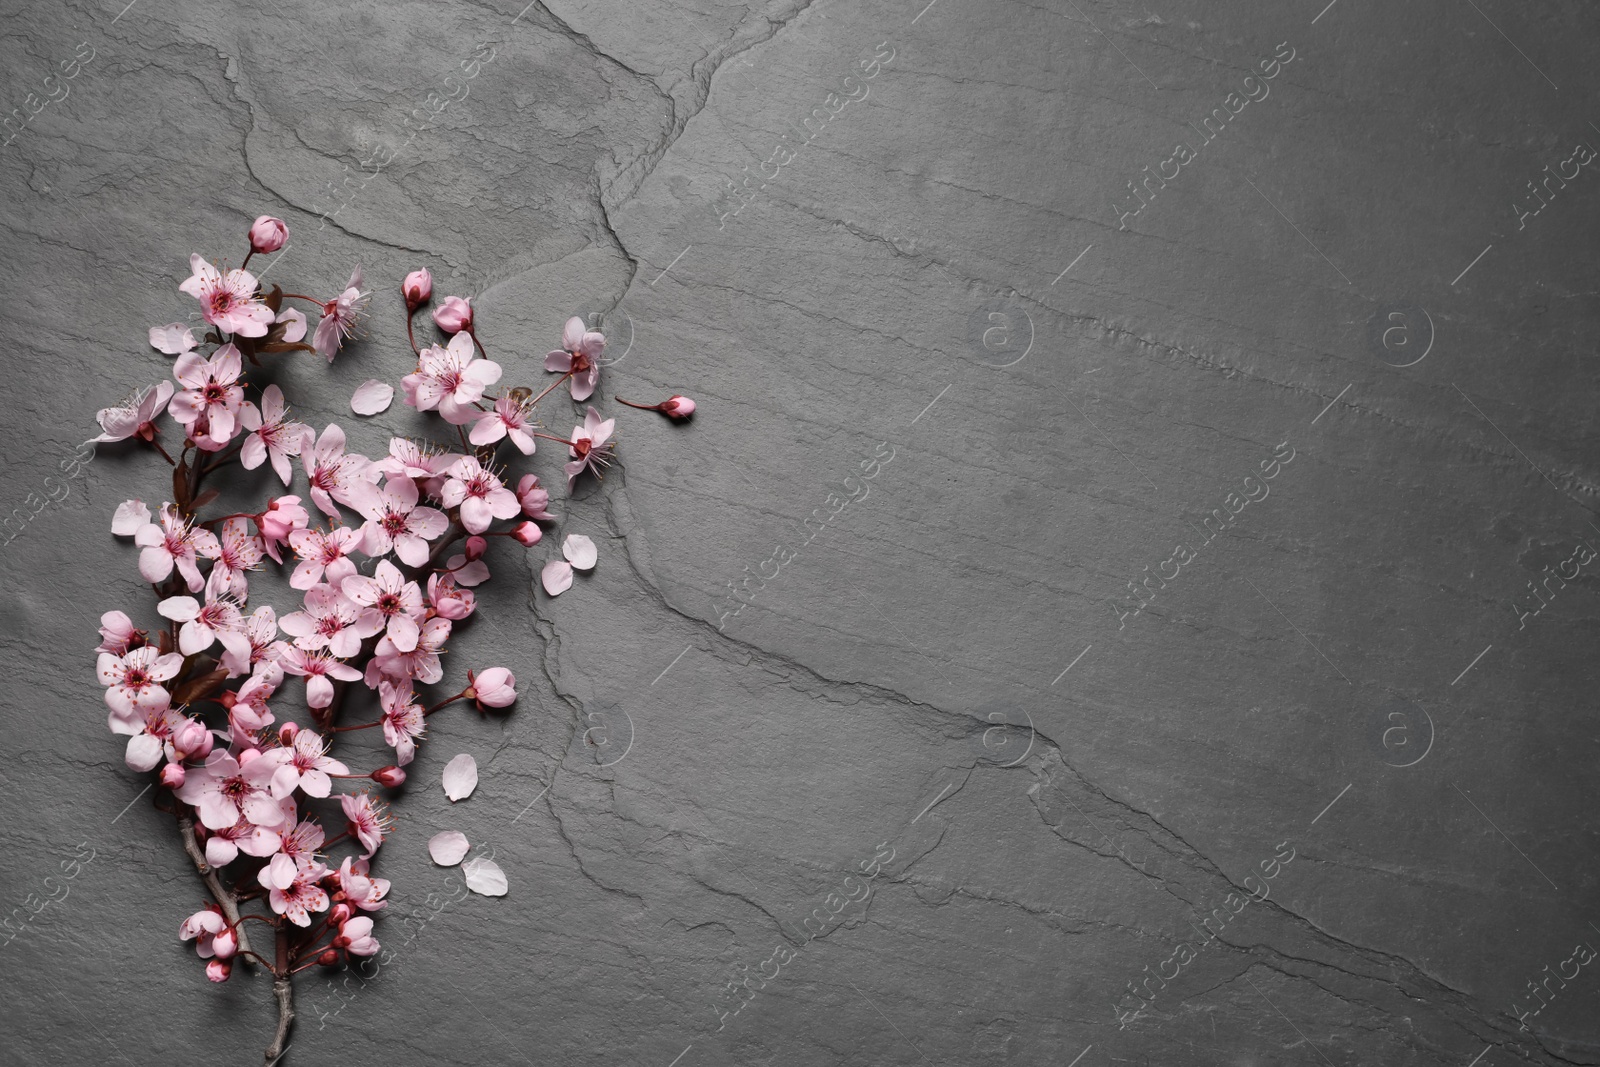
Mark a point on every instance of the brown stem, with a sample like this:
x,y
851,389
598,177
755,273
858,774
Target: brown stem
x,y
208,874
283,989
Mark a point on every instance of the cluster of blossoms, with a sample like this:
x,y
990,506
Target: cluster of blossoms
x,y
385,559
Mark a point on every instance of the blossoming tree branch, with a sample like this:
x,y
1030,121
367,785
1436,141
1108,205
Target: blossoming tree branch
x,y
385,559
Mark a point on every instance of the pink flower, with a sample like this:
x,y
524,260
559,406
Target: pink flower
x,y
398,601
421,663
360,888
355,937
211,389
118,634
221,791
135,416
324,555
227,301
250,644
450,379
447,601
394,521
508,419
339,317
580,350
493,688
133,682
267,234
304,764
300,897
223,846
369,822
238,551
480,495
332,473
317,668
403,722
203,928
331,621
417,288
454,315
149,736
534,500
590,450
302,844
247,709
201,623
173,543
270,436
283,516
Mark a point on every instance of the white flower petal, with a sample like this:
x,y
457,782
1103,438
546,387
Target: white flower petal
x,y
179,608
371,397
485,877
556,576
448,848
460,777
129,516
580,551
174,339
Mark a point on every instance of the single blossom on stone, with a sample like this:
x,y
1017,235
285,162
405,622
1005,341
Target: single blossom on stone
x,y
340,317
202,623
227,301
272,436
591,447
403,721
136,416
222,792
324,556
333,473
578,355
284,515
510,418
211,389
133,682
480,495
332,621
398,601
450,380
173,543
317,668
395,521
369,821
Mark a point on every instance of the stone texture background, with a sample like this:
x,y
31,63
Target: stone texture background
x,y
1081,424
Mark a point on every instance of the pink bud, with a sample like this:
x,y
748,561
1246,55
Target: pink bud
x,y
225,944
219,970
340,914
389,776
247,755
193,740
495,687
287,731
328,958
534,500
677,407
528,533
476,546
173,775
341,942
417,288
267,234
117,633
454,315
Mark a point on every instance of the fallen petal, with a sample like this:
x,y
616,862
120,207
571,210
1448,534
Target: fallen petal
x,y
371,397
556,576
580,551
448,848
460,777
485,877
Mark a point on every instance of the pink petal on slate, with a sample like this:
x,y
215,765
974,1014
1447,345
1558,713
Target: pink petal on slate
x,y
371,397
485,877
460,777
448,848
580,551
556,576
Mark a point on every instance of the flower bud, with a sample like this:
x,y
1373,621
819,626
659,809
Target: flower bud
x,y
287,731
341,941
677,407
389,776
173,775
417,289
219,970
193,740
528,533
328,958
340,914
247,755
495,687
267,234
476,546
454,315
225,944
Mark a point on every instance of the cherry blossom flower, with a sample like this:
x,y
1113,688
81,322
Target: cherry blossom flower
x,y
324,555
301,896
421,663
223,846
247,708
250,645
136,416
389,594
480,495
227,301
303,764
174,339
527,534
332,472
448,601
238,551
284,515
578,356
355,937
270,435
454,315
493,688
534,500
133,682
211,389
205,928
450,380
150,736
394,521
510,418
267,234
303,844
118,634
417,288
202,623
359,887
221,791
317,668
403,721
174,543
332,621
340,317
590,448
369,821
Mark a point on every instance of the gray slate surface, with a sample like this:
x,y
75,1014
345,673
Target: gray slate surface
x,y
897,286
